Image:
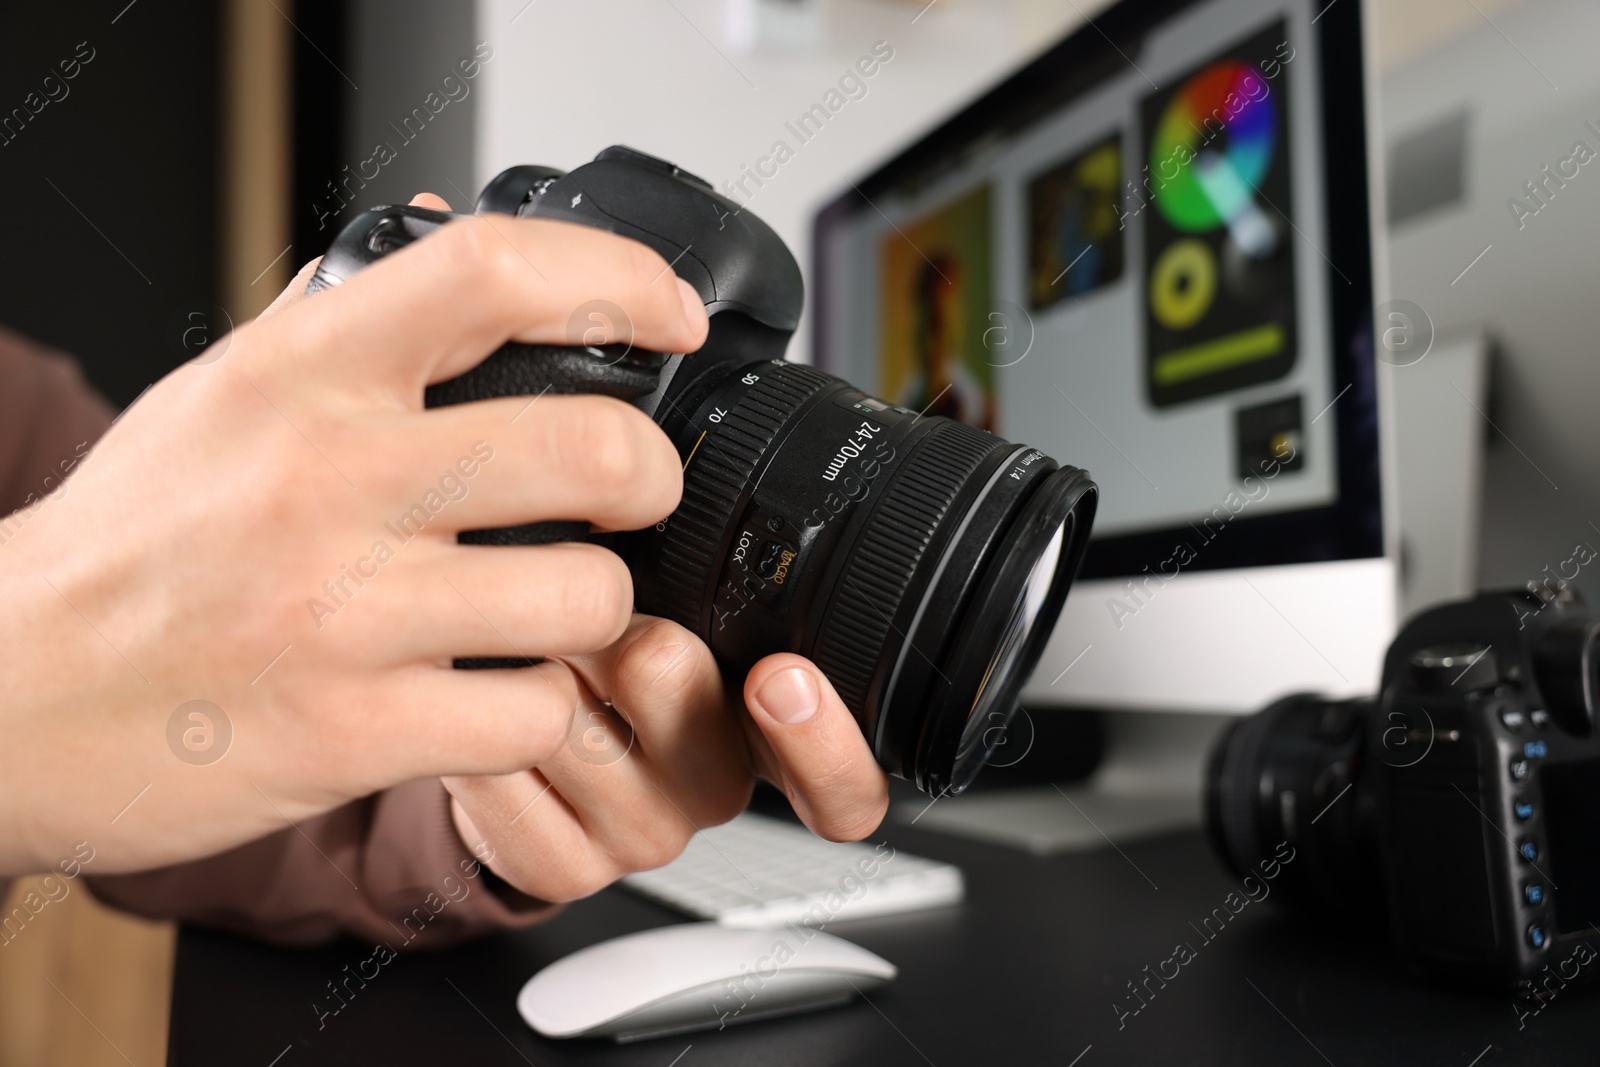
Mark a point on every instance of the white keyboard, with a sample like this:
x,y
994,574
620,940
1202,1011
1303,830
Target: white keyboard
x,y
757,871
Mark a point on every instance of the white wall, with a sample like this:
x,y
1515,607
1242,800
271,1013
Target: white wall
x,y
400,51
570,77
1409,28
1533,290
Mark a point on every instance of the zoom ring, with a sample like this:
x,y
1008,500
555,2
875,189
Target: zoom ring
x,y
719,476
881,567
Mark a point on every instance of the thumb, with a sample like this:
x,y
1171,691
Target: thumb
x,y
812,748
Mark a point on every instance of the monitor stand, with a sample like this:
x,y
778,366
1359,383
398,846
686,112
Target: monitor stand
x,y
1440,422
1148,783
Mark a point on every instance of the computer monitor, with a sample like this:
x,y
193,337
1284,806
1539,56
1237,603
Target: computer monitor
x,y
1149,253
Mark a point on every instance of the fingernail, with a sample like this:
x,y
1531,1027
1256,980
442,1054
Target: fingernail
x,y
693,310
789,696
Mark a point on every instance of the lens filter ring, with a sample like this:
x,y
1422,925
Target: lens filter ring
x,y
977,689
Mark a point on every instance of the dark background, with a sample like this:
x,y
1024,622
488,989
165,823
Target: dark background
x,y
135,147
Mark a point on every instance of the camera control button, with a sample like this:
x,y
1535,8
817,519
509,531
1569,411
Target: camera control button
x,y
1523,810
1513,719
1519,770
1539,717
1533,893
1528,850
1536,935
1536,749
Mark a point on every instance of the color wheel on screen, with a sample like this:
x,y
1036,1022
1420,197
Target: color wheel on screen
x,y
1229,163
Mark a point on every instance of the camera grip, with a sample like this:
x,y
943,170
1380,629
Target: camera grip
x,y
535,371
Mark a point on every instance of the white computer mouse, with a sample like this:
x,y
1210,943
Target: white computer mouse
x,y
695,976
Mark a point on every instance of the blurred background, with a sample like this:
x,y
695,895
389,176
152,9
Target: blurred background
x,y
203,152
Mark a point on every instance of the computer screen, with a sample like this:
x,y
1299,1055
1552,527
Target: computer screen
x,y
1148,253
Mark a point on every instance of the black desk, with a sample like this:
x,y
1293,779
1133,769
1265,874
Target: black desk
x,y
1026,972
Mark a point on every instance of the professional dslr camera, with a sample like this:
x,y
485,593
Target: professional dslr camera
x,y
920,562
1464,802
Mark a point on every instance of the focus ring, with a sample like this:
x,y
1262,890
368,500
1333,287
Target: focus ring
x,y
874,582
720,474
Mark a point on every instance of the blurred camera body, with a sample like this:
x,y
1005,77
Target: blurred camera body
x,y
1461,808
1489,813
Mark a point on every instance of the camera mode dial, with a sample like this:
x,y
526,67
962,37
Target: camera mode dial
x,y
1464,668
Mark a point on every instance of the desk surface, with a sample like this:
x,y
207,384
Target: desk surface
x,y
1026,972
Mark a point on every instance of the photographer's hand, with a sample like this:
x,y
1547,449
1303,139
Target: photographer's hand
x,y
273,532
670,755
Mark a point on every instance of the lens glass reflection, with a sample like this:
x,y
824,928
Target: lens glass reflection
x,y
986,722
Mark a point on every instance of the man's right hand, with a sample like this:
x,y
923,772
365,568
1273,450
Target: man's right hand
x,y
248,534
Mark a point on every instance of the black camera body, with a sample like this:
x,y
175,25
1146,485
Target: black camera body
x,y
1489,837
919,562
1460,809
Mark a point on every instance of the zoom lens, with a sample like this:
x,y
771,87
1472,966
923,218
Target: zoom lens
x,y
1293,774
920,563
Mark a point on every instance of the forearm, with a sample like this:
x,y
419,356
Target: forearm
x,y
49,422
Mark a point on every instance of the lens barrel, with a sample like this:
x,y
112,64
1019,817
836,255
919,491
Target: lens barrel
x,y
892,549
1291,774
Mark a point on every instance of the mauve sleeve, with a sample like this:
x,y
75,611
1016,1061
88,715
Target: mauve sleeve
x,y
49,418
388,868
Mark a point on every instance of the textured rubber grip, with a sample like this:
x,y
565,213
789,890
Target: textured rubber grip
x,y
535,371
539,370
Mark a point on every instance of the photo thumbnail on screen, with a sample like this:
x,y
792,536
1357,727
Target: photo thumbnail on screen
x,y
1075,229
937,284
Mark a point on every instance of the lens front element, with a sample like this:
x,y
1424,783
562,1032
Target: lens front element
x,y
1000,679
